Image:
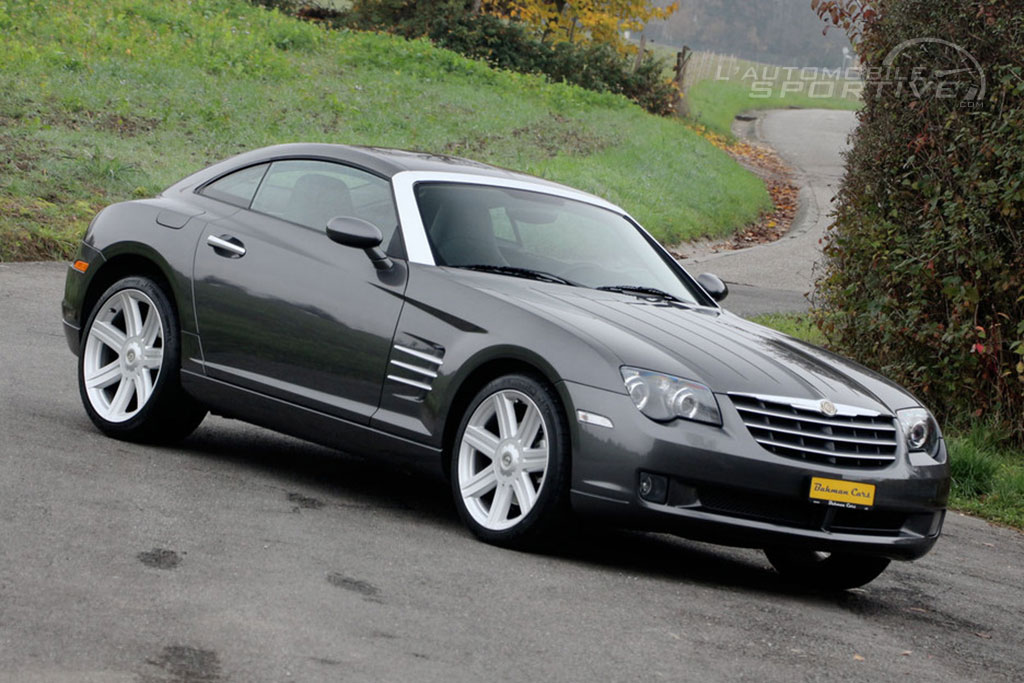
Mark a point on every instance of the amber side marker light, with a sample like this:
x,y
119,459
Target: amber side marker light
x,y
80,266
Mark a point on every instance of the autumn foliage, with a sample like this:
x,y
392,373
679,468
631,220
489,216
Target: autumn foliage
x,y
582,21
924,277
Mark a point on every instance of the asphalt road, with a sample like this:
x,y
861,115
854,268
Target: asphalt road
x,y
775,277
246,556
242,555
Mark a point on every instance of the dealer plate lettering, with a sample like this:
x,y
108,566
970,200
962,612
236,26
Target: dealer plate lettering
x,y
844,494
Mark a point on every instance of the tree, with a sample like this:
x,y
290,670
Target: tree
x,y
582,21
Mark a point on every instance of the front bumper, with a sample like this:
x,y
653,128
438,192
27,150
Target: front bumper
x,y
725,488
76,284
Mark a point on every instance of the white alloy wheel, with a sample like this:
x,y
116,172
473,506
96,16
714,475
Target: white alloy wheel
x,y
502,460
123,354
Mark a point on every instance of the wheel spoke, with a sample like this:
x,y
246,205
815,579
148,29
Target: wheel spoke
x,y
482,440
105,376
132,315
152,358
151,328
505,409
526,495
123,396
143,387
109,335
480,483
500,505
535,459
527,432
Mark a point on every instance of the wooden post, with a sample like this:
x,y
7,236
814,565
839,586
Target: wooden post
x,y
682,60
640,53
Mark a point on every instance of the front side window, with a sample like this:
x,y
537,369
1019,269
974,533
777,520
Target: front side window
x,y
236,188
311,193
476,226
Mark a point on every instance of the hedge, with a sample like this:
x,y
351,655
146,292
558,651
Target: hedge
x,y
924,273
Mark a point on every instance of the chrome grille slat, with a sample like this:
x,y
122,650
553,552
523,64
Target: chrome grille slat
x,y
816,451
420,354
409,382
414,368
789,430
832,422
823,437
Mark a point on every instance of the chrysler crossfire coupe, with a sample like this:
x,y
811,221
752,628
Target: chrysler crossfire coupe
x,y
526,341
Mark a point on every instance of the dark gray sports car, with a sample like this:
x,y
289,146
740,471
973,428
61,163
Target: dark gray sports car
x,y
530,342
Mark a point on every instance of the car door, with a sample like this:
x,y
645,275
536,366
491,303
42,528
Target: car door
x,y
283,310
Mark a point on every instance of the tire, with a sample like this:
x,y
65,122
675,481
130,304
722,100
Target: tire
x,y
828,571
129,363
511,463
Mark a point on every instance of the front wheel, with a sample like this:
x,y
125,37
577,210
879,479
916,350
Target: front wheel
x,y
128,367
511,462
828,571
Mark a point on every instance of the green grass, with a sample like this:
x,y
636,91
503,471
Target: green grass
x,y
988,475
716,103
108,101
799,326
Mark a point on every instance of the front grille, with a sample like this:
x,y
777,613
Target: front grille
x,y
796,428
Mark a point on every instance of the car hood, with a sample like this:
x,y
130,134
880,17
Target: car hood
x,y
709,345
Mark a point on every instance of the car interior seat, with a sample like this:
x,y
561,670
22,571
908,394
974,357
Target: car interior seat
x,y
463,235
317,198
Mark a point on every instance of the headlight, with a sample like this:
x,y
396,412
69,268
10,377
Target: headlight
x,y
664,397
920,430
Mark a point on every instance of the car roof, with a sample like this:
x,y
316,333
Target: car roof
x,y
381,161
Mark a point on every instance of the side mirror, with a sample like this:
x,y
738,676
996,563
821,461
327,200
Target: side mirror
x,y
713,285
355,232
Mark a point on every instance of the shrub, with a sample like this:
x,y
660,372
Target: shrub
x,y
924,277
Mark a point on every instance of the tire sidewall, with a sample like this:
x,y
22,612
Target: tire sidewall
x,y
138,424
551,501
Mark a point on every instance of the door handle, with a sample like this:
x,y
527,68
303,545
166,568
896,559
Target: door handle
x,y
226,243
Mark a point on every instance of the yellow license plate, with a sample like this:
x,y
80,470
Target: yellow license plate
x,y
844,494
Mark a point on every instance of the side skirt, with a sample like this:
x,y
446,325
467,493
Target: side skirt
x,y
304,423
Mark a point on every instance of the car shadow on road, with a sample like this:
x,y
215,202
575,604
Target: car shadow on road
x,y
334,476
344,479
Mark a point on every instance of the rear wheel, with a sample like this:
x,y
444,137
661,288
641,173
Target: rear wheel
x,y
510,465
830,571
128,367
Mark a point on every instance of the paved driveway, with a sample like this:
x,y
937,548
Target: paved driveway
x,y
774,277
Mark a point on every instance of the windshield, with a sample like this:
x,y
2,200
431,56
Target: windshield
x,y
518,232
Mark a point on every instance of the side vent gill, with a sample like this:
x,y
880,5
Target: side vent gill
x,y
413,366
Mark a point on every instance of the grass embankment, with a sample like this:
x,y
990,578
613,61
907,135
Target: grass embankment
x,y
108,101
988,476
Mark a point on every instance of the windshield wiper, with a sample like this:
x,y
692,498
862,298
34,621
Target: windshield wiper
x,y
521,272
641,291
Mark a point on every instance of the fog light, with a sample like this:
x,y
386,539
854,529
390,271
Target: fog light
x,y
653,488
